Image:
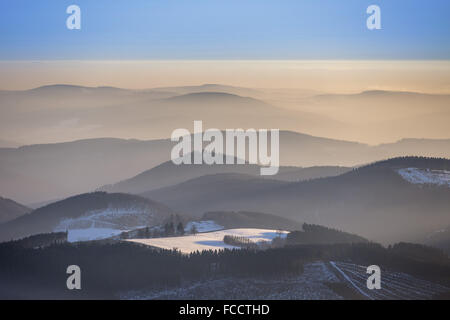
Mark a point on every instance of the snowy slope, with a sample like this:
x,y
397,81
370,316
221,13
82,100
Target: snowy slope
x,y
425,176
209,240
93,210
77,235
101,224
203,226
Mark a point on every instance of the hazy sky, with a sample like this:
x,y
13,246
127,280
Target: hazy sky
x,y
330,76
253,43
224,29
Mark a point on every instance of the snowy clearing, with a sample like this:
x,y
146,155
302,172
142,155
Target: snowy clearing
x,y
209,240
425,176
203,226
76,235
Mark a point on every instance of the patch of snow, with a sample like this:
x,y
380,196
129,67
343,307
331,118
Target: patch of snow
x,y
425,176
203,226
105,223
210,240
118,218
77,235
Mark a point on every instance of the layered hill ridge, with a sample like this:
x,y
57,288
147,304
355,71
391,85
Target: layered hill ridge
x,y
375,201
168,173
92,163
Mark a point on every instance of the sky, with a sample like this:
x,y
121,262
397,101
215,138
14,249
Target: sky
x,y
310,44
224,29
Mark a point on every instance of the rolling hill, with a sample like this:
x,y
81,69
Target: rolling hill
x,y
67,112
88,216
374,201
168,174
244,219
10,210
64,112
65,169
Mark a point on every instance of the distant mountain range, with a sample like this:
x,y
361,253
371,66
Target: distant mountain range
x,y
66,112
384,115
65,169
211,87
374,201
8,144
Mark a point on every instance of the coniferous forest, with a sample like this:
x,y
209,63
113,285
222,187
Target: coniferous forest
x,y
109,268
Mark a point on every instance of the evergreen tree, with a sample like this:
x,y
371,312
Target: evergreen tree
x,y
180,228
169,229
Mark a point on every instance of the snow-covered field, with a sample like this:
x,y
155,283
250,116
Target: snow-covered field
x,y
209,240
425,176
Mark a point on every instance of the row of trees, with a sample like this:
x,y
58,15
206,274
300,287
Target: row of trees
x,y
173,226
242,242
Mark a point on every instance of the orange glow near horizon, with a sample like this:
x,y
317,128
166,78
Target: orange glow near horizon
x,y
326,76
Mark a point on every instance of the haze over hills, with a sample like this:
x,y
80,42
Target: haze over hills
x,y
243,219
374,201
10,210
157,119
8,144
218,192
74,112
68,112
44,172
212,87
381,116
167,174
88,214
336,139
64,169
